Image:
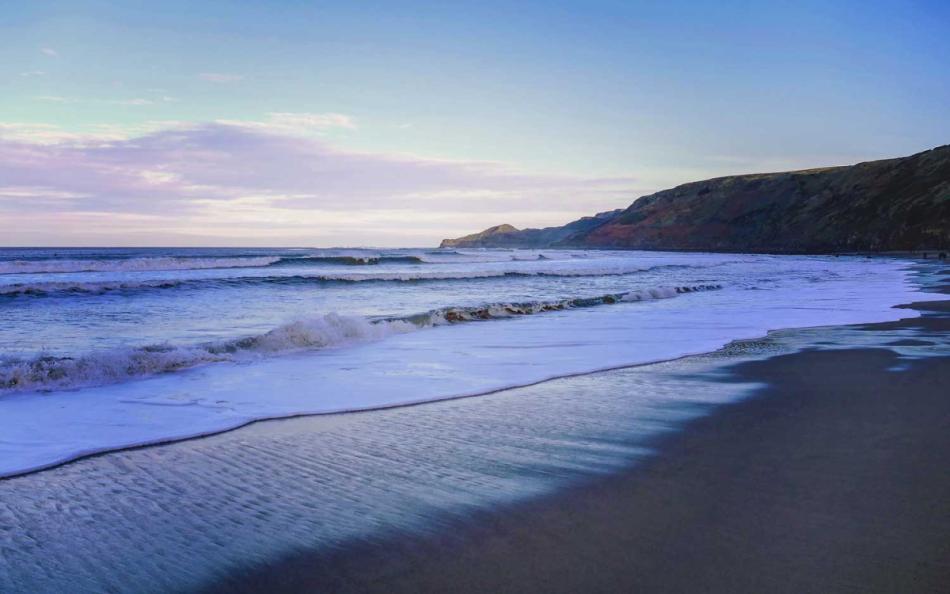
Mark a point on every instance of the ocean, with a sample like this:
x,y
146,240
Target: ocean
x,y
103,349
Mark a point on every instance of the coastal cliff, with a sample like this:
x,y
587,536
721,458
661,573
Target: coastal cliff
x,y
889,205
508,236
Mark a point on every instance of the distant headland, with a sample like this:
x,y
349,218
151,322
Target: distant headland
x,y
900,204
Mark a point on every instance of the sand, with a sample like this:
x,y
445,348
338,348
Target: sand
x,y
832,478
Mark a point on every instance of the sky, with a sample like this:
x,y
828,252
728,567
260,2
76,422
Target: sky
x,y
292,123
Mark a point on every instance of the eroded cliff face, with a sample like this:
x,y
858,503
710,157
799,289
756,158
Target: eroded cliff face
x,y
894,204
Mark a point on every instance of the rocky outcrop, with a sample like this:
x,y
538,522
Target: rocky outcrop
x,y
890,205
508,236
494,236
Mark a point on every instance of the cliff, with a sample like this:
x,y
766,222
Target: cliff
x,y
888,205
508,236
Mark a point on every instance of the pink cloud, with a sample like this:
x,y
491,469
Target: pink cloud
x,y
185,173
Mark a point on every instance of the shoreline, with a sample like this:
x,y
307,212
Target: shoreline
x,y
393,500
408,404
829,478
172,429
355,411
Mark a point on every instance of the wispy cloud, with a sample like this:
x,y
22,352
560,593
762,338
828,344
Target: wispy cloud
x,y
296,123
220,77
34,133
54,99
50,52
136,101
310,120
37,193
96,135
143,101
31,73
217,179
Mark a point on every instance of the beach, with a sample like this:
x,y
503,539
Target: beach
x,y
831,478
608,297
805,460
109,349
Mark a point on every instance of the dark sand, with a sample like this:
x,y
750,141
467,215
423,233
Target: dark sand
x,y
834,478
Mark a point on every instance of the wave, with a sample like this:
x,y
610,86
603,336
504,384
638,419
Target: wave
x,y
52,288
43,289
168,263
50,373
132,264
158,263
451,315
46,372
348,260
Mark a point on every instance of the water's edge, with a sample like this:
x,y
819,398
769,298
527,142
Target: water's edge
x,y
919,270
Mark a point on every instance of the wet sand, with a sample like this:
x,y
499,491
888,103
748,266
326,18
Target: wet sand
x,y
832,478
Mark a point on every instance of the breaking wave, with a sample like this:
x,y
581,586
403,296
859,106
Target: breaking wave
x,y
167,263
45,372
348,260
131,264
50,288
451,315
194,263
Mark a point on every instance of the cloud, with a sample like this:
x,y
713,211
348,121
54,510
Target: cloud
x,y
53,99
216,180
137,101
97,134
296,123
219,77
310,120
36,133
31,73
50,52
36,192
143,101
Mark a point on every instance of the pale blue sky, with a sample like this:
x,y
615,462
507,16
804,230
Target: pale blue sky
x,y
557,96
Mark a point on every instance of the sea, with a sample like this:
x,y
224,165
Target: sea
x,y
533,370
103,349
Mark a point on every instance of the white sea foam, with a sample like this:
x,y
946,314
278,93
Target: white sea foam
x,y
660,293
55,373
46,372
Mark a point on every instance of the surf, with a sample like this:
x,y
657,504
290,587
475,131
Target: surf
x,y
46,372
